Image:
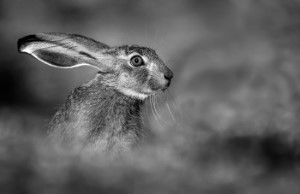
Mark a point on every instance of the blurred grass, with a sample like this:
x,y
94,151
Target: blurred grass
x,y
228,124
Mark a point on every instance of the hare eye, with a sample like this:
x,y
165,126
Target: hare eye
x,y
136,61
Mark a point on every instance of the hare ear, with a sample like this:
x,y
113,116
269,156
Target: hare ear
x,y
66,50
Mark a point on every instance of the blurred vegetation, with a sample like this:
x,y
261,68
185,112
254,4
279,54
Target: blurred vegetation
x,y
228,124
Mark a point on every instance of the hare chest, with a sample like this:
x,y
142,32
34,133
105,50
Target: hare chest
x,y
115,132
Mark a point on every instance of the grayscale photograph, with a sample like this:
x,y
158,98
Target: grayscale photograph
x,y
150,97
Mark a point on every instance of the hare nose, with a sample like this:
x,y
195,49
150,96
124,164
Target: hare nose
x,y
168,75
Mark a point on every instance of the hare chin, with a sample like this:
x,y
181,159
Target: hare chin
x,y
134,94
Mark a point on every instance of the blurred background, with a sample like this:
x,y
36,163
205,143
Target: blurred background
x,y
228,123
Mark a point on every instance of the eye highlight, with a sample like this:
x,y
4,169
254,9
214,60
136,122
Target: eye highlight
x,y
136,61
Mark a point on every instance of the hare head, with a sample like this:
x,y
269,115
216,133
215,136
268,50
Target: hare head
x,y
133,70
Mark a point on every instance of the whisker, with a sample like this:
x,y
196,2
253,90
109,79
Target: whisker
x,y
177,109
151,102
147,112
168,106
170,112
156,109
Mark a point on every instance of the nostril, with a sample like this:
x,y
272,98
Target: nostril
x,y
169,75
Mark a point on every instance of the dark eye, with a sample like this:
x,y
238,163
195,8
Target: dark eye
x,y
136,61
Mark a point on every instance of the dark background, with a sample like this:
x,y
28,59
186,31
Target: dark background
x,y
228,123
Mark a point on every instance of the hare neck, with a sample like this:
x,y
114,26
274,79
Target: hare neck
x,y
109,110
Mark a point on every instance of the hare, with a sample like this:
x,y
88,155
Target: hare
x,y
103,114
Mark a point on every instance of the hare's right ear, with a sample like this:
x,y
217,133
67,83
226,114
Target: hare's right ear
x,y
66,50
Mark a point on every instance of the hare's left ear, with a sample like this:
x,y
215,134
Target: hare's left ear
x,y
66,50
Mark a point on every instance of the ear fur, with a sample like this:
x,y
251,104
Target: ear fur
x,y
66,50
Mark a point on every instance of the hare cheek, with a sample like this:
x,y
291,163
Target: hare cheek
x,y
126,80
153,84
141,76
